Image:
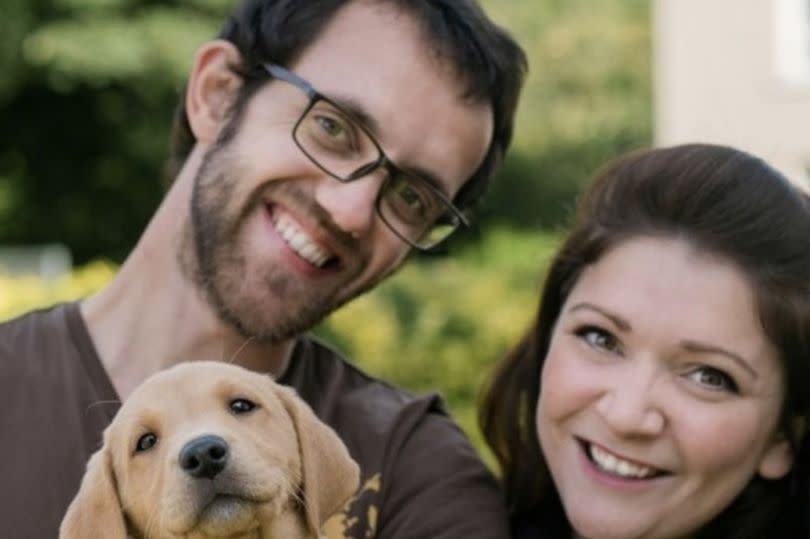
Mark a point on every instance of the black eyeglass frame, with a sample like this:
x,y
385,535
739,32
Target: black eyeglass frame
x,y
281,73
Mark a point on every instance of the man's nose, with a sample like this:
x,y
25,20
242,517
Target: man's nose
x,y
629,407
351,205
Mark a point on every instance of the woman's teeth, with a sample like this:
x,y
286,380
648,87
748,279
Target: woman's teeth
x,y
617,466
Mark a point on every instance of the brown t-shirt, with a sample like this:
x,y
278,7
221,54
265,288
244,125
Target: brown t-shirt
x,y
420,477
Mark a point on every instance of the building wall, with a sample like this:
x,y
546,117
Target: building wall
x,y
717,79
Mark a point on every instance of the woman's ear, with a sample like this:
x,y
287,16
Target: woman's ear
x,y
212,88
778,458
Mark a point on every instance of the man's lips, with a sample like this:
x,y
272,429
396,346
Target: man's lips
x,y
298,240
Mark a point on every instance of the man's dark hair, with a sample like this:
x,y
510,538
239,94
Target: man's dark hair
x,y
487,60
728,204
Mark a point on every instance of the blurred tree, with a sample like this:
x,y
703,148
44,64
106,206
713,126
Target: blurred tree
x,y
587,99
86,93
87,89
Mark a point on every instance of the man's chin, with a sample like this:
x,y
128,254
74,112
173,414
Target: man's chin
x,y
274,308
267,325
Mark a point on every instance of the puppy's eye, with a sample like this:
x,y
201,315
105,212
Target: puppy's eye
x,y
242,406
146,442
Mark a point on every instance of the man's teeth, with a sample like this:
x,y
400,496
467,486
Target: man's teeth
x,y
299,241
616,466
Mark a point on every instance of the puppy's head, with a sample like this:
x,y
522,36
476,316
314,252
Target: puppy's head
x,y
207,449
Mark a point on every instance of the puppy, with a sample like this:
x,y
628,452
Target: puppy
x,y
207,449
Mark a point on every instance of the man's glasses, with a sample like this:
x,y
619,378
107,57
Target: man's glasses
x,y
411,206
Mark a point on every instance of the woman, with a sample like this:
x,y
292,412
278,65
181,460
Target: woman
x,y
661,391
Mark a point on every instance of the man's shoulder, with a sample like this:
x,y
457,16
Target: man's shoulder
x,y
28,330
50,347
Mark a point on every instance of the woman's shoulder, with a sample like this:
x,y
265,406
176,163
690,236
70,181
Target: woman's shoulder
x,y
523,528
524,531
553,526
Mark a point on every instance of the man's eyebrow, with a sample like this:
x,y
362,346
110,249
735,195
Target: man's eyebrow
x,y
620,322
358,113
704,348
429,178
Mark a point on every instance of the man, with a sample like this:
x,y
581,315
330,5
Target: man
x,y
317,143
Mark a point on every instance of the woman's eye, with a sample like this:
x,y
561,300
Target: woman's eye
x,y
241,406
714,379
599,339
146,442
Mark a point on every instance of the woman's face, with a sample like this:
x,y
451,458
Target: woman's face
x,y
660,394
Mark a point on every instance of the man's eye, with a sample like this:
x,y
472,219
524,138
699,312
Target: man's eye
x,y
327,133
331,126
411,197
409,201
146,442
713,379
599,339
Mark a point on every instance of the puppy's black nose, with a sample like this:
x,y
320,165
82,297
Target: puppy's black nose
x,y
205,456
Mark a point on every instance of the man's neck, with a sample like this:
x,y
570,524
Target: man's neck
x,y
151,315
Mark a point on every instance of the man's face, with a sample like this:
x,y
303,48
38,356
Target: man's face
x,y
279,243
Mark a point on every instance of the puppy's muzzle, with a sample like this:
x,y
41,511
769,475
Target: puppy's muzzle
x,y
204,457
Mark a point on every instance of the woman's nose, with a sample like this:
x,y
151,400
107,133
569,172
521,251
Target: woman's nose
x,y
629,406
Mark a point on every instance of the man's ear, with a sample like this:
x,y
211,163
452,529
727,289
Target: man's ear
x,y
778,458
211,88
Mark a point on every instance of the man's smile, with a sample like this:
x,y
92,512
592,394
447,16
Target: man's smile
x,y
298,240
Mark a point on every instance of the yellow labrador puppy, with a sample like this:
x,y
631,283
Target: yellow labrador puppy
x,y
207,449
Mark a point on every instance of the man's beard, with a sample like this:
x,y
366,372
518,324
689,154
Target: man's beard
x,y
247,299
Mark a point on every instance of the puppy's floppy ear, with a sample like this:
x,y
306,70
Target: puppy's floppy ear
x,y
95,511
330,475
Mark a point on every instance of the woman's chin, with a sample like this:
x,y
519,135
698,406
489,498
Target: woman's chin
x,y
595,527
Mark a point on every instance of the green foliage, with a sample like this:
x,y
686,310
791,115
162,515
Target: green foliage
x,y
156,41
586,100
87,89
21,294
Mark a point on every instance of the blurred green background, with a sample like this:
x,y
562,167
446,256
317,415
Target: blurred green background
x,y
86,93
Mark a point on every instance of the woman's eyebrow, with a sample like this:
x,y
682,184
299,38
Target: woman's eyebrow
x,y
704,348
620,322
